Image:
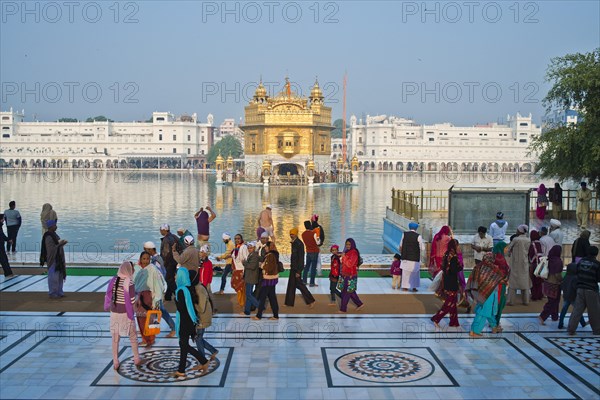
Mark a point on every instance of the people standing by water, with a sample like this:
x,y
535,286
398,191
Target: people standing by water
x,y
334,274
150,287
119,300
227,257
47,214
348,283
569,290
53,255
450,285
166,252
542,202
439,245
551,285
411,248
203,220
581,246
312,254
533,255
296,267
13,221
498,228
556,197
269,282
395,271
186,323
8,273
584,196
518,251
588,277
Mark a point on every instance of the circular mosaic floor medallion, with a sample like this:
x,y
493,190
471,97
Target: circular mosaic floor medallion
x,y
159,366
384,366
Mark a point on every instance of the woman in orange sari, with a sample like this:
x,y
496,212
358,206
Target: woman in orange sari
x,y
439,245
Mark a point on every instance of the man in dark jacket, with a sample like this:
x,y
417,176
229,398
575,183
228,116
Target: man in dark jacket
x,y
166,252
588,276
3,257
296,267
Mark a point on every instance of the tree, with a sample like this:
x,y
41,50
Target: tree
x,y
337,131
228,145
68,120
100,118
572,151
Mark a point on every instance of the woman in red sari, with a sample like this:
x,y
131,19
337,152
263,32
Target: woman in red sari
x,y
535,251
439,245
451,266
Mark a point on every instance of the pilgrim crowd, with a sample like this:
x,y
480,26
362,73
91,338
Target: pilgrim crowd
x,y
526,267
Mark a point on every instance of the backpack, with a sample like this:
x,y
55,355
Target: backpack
x,y
280,267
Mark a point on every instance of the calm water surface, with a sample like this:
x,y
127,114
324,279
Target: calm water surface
x,y
95,208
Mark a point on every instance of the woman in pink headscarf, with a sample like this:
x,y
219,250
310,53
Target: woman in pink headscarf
x,y
542,202
119,300
439,245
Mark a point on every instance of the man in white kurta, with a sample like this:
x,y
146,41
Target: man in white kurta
x,y
412,247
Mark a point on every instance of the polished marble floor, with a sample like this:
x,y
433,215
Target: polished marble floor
x,y
68,355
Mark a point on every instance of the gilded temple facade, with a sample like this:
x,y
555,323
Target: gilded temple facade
x,y
287,133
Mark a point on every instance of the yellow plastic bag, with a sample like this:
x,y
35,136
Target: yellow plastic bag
x,y
152,326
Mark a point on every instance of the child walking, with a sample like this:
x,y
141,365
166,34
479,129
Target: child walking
x,y
334,273
396,272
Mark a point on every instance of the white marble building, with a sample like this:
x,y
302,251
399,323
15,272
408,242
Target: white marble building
x,y
394,144
166,141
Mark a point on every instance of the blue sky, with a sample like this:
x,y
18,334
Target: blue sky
x,y
462,62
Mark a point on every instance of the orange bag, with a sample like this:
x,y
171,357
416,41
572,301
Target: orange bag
x,y
152,326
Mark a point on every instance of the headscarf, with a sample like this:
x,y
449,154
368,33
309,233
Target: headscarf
x,y
585,234
499,247
534,235
438,249
150,278
555,264
352,245
47,213
182,279
542,189
125,273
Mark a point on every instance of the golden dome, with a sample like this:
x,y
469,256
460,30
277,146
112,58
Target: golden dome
x,y
229,159
316,91
219,158
260,91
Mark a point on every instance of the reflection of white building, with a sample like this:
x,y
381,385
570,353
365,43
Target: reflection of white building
x,y
166,141
392,143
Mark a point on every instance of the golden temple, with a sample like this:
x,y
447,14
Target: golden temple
x,y
288,129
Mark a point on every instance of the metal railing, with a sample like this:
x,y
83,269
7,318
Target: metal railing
x,y
414,202
404,203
